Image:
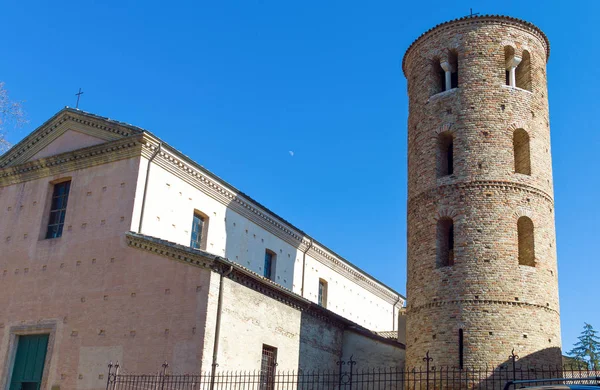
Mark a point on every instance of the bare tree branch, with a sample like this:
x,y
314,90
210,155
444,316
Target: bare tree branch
x,y
11,117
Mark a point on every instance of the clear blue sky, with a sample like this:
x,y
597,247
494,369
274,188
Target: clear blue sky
x,y
236,85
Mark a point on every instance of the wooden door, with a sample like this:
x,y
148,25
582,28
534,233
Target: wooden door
x,y
29,362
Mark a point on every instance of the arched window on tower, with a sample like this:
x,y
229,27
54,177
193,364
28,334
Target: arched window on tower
x,y
446,72
510,62
453,60
445,242
440,77
526,242
523,72
522,152
445,155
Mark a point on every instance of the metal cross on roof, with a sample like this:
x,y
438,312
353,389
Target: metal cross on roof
x,y
472,14
78,94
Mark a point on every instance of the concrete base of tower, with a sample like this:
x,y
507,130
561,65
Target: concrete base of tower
x,y
483,333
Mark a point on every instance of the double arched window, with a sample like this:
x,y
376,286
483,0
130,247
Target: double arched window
x,y
446,72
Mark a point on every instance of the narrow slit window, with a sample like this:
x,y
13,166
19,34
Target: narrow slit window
x,y
526,242
445,242
58,209
269,266
461,349
199,231
445,158
522,152
322,298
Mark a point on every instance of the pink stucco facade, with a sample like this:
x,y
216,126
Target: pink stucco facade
x,y
99,299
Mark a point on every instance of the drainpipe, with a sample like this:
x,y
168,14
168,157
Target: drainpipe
x,y
394,314
146,186
304,266
218,327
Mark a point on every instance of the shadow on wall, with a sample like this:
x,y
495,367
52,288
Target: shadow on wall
x,y
541,365
321,344
545,357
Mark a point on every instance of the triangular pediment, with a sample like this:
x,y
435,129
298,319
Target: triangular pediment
x,y
66,142
68,130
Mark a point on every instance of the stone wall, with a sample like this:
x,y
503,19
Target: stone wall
x,y
499,304
251,319
370,353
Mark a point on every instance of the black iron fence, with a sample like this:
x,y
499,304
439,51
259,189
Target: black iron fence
x,y
349,376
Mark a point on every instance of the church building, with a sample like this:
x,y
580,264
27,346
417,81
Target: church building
x,y
116,246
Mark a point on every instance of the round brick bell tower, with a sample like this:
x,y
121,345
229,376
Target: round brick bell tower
x,y
482,272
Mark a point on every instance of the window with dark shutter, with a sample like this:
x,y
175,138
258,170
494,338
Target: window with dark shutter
x,y
269,267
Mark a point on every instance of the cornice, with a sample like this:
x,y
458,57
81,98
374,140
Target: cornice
x,y
238,274
489,184
158,247
202,180
70,161
480,19
489,302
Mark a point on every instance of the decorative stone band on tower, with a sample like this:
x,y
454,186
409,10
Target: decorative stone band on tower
x,y
482,266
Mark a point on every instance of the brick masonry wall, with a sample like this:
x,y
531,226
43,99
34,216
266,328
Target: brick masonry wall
x,y
97,298
499,304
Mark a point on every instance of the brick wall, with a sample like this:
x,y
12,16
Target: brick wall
x,y
499,304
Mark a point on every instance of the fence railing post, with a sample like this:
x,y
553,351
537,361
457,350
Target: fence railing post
x,y
112,375
351,363
427,360
514,359
436,377
163,375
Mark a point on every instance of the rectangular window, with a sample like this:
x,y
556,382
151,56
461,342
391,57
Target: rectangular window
x,y
267,367
269,268
58,209
196,241
322,300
